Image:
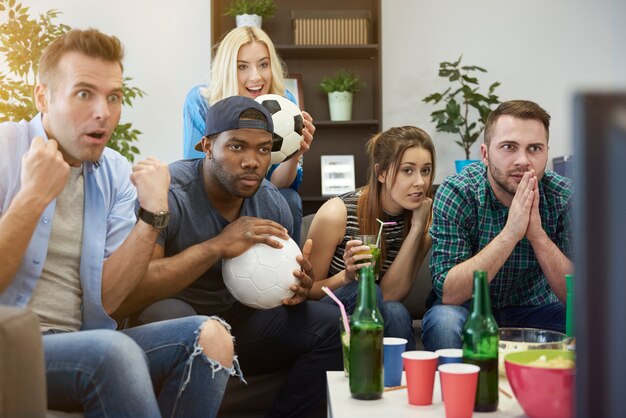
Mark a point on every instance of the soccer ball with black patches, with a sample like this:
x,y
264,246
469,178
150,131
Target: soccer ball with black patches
x,y
288,126
261,277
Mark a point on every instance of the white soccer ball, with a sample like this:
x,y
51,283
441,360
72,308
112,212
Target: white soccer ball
x,y
260,277
288,125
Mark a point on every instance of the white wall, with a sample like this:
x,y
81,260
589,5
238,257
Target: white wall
x,y
542,50
168,47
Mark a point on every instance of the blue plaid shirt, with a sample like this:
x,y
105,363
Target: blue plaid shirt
x,y
467,216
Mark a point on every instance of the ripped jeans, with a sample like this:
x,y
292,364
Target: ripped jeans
x,y
149,371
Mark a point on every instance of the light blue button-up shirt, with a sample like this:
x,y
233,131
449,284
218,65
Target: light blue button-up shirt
x,y
108,219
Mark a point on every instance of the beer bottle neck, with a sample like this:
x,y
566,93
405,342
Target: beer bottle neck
x,y
367,289
482,302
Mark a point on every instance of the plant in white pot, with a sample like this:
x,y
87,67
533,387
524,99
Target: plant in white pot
x,y
250,12
341,88
464,109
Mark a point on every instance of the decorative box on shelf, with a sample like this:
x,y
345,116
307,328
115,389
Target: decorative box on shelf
x,y
331,27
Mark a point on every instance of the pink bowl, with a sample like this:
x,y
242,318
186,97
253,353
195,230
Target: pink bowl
x,y
542,392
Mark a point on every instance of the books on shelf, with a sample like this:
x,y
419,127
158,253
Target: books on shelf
x,y
331,27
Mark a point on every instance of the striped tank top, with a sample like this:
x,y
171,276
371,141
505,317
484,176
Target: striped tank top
x,y
393,235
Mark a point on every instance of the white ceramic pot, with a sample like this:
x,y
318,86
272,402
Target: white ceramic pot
x,y
248,20
340,105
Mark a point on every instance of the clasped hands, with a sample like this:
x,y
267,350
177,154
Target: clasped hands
x,y
524,219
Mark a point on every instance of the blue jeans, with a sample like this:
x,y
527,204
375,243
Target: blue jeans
x,y
150,371
295,206
398,322
303,339
442,326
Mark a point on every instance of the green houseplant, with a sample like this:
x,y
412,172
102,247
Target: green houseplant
x,y
340,89
22,40
463,109
250,12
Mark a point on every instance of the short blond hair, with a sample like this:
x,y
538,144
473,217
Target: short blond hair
x,y
224,65
90,42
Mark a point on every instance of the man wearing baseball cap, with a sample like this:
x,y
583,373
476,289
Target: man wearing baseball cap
x,y
221,206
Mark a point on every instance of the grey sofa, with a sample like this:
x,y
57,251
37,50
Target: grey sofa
x,y
22,378
22,375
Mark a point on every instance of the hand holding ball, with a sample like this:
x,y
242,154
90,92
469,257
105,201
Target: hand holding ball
x,y
288,125
261,277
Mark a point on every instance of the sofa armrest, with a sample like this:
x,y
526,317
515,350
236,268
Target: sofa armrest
x,y
415,301
22,369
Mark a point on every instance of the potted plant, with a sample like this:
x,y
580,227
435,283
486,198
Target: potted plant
x,y
22,41
250,12
464,109
340,89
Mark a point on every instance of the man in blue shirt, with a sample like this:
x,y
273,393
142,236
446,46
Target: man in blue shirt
x,y
71,248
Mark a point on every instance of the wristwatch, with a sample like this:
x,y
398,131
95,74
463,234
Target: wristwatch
x,y
156,219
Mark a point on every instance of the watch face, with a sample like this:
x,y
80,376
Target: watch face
x,y
160,219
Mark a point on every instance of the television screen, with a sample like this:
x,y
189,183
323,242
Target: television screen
x,y
600,253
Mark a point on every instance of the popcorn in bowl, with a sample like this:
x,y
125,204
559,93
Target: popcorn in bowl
x,y
522,339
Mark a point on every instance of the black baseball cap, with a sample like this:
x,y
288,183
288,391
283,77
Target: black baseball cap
x,y
225,115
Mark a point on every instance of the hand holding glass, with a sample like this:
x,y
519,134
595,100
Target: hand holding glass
x,y
374,250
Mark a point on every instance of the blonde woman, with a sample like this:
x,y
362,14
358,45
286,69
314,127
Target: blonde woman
x,y
245,63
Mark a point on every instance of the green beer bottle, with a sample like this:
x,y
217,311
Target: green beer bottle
x,y
569,307
480,345
366,341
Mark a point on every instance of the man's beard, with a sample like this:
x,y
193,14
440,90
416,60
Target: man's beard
x,y
230,180
503,180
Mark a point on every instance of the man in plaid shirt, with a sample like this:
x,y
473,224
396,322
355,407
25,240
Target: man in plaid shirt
x,y
510,217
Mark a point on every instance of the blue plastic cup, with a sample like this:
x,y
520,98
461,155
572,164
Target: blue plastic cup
x,y
450,355
392,355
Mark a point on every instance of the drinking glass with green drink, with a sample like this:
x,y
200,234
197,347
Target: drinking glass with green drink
x,y
374,250
344,330
345,345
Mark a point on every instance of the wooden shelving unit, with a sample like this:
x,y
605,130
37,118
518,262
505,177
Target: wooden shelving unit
x,y
313,62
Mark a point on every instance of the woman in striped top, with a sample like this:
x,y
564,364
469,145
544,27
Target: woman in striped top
x,y
402,167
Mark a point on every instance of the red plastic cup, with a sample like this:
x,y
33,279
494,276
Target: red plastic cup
x,y
420,367
458,383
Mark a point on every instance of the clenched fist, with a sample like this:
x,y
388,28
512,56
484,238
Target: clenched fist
x,y
151,177
44,171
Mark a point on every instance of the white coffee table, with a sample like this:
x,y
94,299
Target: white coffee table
x,y
396,404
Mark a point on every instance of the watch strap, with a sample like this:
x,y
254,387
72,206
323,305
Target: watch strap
x,y
158,220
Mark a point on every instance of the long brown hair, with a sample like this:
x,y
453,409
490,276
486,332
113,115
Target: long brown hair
x,y
385,151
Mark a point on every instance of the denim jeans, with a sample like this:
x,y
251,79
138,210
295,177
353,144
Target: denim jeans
x,y
442,326
398,322
303,339
295,207
150,371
